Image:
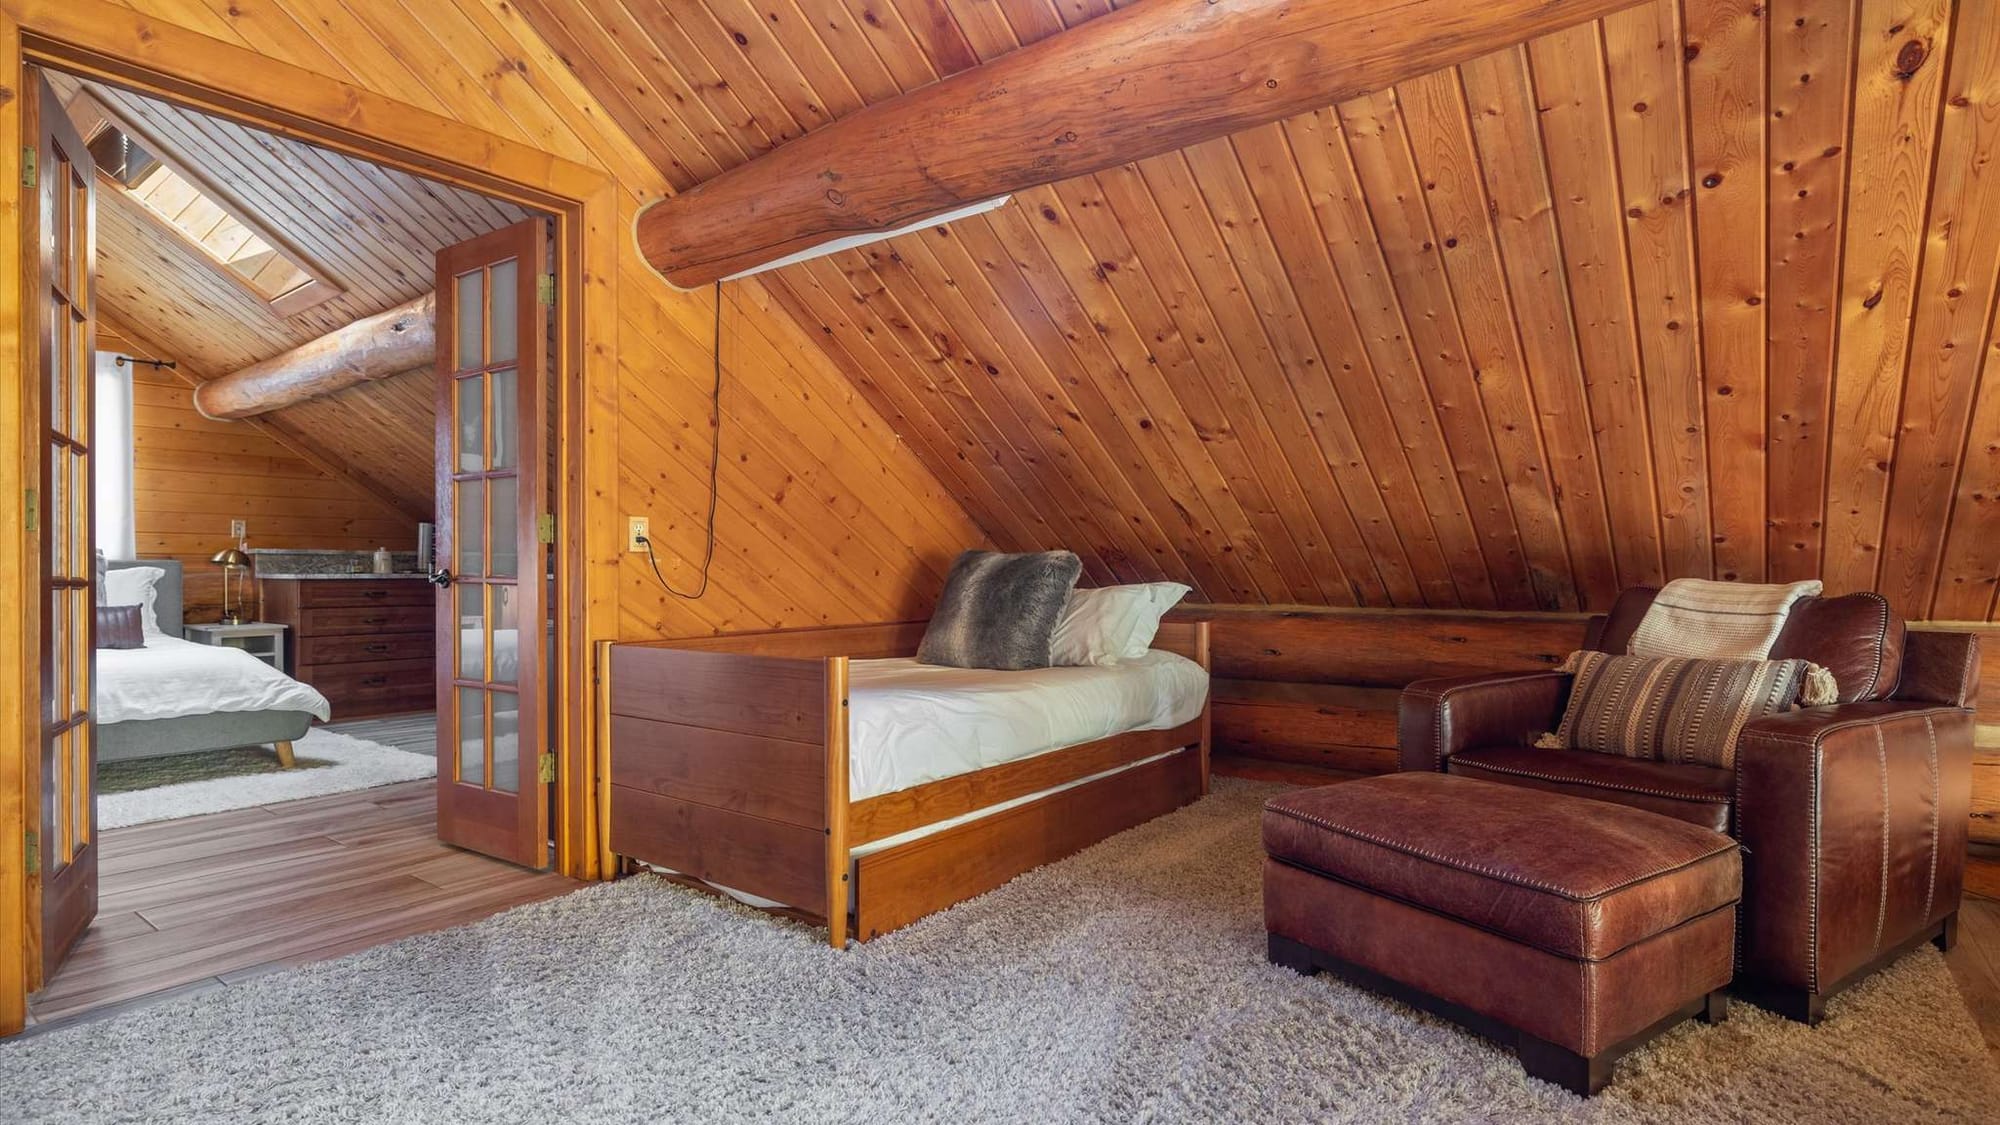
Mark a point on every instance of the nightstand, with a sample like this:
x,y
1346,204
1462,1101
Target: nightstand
x,y
261,639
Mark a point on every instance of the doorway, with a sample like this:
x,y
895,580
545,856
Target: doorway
x,y
140,179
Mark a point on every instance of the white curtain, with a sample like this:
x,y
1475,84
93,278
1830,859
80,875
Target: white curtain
x,y
111,445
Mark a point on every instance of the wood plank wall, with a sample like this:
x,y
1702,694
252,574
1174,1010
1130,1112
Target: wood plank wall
x,y
1705,288
825,516
192,475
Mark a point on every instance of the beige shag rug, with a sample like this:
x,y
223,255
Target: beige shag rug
x,y
1127,984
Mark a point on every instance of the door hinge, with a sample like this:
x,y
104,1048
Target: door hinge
x,y
34,854
547,764
34,511
545,528
545,288
29,175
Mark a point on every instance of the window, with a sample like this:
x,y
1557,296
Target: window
x,y
111,446
252,257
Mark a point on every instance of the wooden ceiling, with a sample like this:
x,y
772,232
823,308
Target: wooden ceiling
x,y
373,230
1704,288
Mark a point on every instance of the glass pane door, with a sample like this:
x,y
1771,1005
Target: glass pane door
x,y
67,877
492,329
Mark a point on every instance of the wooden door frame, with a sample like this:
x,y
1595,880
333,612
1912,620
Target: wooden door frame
x,y
99,40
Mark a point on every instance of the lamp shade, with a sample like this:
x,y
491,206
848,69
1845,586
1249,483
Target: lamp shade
x,y
230,557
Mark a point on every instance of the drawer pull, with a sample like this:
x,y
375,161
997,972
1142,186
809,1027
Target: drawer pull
x,y
375,620
375,648
374,681
375,593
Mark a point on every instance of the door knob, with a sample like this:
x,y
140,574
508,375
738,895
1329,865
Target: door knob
x,y
440,578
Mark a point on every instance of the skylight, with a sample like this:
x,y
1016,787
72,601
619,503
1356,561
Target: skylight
x,y
248,255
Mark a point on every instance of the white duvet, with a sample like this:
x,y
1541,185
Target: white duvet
x,y
171,679
910,723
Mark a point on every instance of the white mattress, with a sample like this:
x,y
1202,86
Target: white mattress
x,y
910,723
171,678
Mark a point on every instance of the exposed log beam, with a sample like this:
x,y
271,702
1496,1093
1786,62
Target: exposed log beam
x,y
1149,78
375,347
308,450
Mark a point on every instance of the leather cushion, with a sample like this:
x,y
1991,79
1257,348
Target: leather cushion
x,y
1857,637
1623,620
1694,793
119,626
1575,877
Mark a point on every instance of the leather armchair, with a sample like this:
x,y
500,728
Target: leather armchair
x,y
1852,817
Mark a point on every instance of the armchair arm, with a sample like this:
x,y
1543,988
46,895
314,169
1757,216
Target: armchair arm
x,y
1853,819
1437,718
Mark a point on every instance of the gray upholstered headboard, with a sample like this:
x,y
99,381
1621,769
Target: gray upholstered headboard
x,y
166,592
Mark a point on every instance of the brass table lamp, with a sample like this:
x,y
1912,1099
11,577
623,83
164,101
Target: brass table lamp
x,y
231,560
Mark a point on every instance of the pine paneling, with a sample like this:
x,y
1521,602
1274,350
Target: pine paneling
x,y
1705,288
193,475
826,515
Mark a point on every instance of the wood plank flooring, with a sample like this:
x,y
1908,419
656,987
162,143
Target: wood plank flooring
x,y
1975,964
205,902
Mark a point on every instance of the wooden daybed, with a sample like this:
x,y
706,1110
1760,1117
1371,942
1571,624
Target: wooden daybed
x,y
728,762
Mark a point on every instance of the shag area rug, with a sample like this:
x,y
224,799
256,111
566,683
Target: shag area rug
x,y
1127,984
134,774
346,763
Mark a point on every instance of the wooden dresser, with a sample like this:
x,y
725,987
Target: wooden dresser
x,y
367,644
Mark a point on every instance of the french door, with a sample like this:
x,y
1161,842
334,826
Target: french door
x,y
492,560
65,879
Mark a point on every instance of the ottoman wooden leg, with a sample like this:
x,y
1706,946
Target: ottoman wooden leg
x,y
1293,955
1716,1008
1579,1074
1947,935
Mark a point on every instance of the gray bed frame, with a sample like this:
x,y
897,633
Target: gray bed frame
x,y
193,734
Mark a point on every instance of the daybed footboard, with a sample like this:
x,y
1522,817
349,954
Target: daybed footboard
x,y
728,762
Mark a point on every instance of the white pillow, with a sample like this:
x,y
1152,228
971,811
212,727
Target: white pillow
x,y
136,585
1111,623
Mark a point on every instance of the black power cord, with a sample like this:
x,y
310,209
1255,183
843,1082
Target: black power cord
x,y
714,473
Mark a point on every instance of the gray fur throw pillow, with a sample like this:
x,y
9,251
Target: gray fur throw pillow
x,y
999,611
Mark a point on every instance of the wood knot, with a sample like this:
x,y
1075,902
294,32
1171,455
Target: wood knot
x,y
1911,59
1713,179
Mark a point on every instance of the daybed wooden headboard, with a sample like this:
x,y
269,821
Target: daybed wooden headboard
x,y
875,642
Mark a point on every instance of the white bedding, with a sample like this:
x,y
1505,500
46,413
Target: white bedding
x,y
910,723
171,678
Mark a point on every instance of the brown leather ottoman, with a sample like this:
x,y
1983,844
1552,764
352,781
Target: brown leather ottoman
x,y
1569,929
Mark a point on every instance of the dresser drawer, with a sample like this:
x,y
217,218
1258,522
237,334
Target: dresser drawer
x,y
364,648
340,620
386,685
363,592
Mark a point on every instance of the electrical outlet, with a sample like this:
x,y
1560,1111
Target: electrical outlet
x,y
238,529
639,528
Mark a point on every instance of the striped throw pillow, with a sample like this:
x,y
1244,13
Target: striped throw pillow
x,y
1671,709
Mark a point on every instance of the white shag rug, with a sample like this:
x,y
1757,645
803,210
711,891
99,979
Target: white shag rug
x,y
357,764
1127,984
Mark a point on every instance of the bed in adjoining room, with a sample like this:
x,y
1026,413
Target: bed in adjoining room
x,y
173,696
828,771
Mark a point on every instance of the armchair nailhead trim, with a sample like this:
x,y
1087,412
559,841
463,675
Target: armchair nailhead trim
x,y
1930,885
1882,899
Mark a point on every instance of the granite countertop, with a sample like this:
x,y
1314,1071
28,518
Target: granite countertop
x,y
338,577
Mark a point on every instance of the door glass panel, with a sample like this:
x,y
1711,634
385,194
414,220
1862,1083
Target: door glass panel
x,y
506,409
506,636
506,278
53,709
471,307
468,532
506,520
471,632
472,736
58,516
506,740
471,424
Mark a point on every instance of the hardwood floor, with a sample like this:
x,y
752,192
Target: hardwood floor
x,y
209,901
1975,964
